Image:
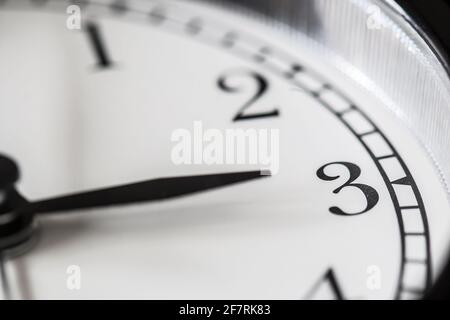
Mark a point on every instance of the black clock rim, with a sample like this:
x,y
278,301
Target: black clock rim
x,y
432,19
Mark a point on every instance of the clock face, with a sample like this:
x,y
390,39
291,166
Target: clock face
x,y
354,207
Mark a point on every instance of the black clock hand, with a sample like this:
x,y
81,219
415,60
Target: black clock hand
x,y
151,190
17,214
146,191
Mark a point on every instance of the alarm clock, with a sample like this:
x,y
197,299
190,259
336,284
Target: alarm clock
x,y
251,149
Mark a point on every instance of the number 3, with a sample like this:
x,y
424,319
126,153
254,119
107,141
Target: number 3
x,y
370,193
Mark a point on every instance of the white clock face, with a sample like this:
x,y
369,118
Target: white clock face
x,y
354,207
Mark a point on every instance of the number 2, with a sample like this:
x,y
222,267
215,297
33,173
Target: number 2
x,y
261,87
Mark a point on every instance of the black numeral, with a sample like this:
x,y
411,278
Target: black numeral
x,y
328,280
370,193
97,43
261,87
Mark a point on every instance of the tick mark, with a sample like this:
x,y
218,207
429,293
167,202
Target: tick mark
x,y
80,3
38,2
194,26
409,207
295,68
157,15
229,40
119,6
262,54
403,181
385,157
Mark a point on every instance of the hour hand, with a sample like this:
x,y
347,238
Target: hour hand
x,y
145,191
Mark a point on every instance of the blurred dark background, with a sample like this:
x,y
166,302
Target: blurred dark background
x,y
434,17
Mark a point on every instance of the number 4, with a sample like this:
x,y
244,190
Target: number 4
x,y
326,286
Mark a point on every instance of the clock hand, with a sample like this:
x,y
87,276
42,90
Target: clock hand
x,y
146,191
151,190
17,214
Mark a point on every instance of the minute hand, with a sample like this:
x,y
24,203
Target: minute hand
x,y
146,191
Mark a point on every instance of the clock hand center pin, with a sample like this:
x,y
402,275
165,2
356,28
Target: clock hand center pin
x,y
16,223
